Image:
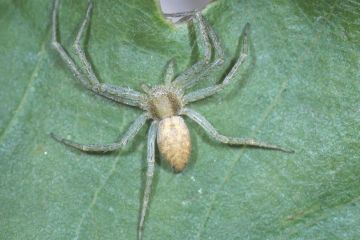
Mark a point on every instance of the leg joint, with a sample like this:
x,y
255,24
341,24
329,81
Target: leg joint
x,y
55,44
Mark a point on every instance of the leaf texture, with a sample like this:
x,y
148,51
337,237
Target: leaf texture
x,y
299,88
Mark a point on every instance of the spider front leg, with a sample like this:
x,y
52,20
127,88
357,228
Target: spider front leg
x,y
168,75
59,48
149,175
206,92
199,119
128,136
189,77
79,51
118,94
169,72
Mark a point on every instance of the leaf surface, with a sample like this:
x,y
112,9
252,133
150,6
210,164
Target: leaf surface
x,y
299,88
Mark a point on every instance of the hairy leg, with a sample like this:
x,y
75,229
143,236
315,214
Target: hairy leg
x,y
63,54
199,119
149,175
219,55
128,136
169,72
206,92
118,94
189,77
79,51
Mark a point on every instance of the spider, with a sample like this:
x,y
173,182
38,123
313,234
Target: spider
x,y
164,104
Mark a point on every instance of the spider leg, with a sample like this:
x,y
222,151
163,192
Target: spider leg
x,y
149,175
189,77
181,14
128,136
59,48
169,72
79,51
208,91
199,119
118,94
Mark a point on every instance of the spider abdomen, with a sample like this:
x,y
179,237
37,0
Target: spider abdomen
x,y
174,142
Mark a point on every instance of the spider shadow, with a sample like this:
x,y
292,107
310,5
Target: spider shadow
x,y
195,52
193,42
248,71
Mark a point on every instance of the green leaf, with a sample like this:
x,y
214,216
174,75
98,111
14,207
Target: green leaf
x,y
299,88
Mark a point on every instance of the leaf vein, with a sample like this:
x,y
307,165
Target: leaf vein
x,y
95,197
22,101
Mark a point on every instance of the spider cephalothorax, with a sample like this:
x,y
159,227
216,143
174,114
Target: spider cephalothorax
x,y
163,104
163,101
